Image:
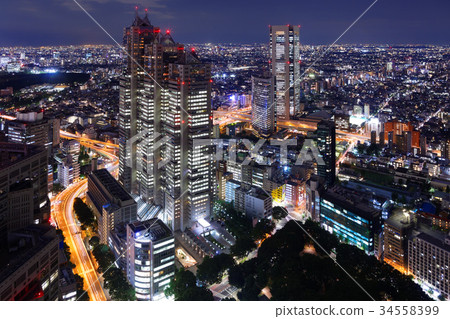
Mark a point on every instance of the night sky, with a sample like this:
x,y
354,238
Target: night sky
x,y
54,22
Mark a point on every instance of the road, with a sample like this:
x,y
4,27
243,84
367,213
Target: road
x,y
87,141
62,214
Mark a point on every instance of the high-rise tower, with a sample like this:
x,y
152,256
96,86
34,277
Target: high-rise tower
x,y
326,143
285,60
263,112
165,106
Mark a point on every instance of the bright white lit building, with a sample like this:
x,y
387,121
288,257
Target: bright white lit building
x,y
285,53
429,261
150,260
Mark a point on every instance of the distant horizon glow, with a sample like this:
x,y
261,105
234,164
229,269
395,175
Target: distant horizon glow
x,y
31,24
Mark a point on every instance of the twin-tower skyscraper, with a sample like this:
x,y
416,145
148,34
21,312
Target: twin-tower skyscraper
x,y
164,107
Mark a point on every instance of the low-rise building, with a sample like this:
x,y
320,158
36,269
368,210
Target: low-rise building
x,y
343,214
253,201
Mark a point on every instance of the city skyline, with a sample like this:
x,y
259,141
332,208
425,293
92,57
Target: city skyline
x,y
203,22
150,169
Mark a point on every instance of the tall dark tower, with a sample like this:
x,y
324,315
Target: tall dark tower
x,y
165,105
137,40
285,60
326,143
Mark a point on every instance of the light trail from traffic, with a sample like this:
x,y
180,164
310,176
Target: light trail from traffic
x,y
63,215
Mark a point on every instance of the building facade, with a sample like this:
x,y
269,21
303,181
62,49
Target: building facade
x,y
285,61
111,203
429,261
150,258
164,110
32,272
263,110
397,229
325,137
350,220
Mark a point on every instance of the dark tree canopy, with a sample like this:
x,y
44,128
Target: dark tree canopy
x,y
279,213
82,295
292,272
262,229
115,280
211,269
184,288
84,213
242,247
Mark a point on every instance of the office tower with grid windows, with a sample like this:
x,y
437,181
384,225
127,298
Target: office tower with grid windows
x,y
285,62
325,136
150,258
263,111
165,109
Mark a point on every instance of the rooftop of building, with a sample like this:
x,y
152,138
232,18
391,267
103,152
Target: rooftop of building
x,y
437,238
350,200
111,184
153,228
399,219
12,153
24,244
254,191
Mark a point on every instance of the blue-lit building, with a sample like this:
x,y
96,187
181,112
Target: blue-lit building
x,y
345,215
230,190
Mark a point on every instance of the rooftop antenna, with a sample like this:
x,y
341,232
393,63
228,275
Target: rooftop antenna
x,y
136,9
146,12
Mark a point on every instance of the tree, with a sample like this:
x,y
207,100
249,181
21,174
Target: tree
x,y
291,274
236,223
263,228
103,256
236,276
183,287
57,187
279,213
82,295
66,249
242,247
115,280
118,286
84,213
94,241
211,269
